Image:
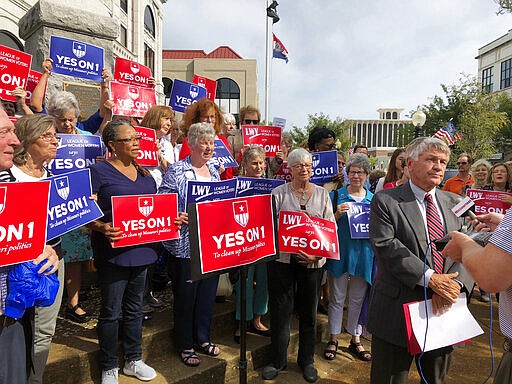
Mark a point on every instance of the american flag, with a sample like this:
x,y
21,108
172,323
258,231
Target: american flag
x,y
448,133
279,51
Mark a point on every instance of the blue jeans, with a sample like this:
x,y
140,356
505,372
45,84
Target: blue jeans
x,y
122,289
193,304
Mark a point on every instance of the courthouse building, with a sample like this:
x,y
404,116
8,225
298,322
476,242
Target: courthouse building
x,y
380,135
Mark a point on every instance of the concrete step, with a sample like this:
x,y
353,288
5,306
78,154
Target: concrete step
x,y
74,352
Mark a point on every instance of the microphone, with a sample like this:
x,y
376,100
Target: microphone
x,y
463,208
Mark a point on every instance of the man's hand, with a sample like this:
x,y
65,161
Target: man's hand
x,y
444,285
487,222
440,305
457,242
52,261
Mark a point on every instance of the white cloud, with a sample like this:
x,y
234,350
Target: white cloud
x,y
347,57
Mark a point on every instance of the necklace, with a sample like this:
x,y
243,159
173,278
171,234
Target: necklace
x,y
303,196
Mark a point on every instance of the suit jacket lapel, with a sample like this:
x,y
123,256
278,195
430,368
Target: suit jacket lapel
x,y
412,213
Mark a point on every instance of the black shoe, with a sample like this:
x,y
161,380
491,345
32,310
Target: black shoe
x,y
147,309
269,372
262,332
309,373
71,314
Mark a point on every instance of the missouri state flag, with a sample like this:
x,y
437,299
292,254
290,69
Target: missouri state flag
x,y
279,51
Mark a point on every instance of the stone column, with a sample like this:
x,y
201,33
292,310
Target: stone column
x,y
88,21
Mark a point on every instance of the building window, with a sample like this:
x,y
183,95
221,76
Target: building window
x,y
506,73
124,5
149,58
9,40
228,96
123,37
487,80
167,89
388,115
149,21
395,116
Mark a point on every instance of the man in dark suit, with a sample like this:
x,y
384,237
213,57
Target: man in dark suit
x,y
399,233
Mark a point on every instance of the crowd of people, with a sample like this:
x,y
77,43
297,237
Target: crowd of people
x,y
375,275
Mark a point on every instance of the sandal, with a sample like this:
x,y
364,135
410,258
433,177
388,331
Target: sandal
x,y
361,355
330,354
186,356
208,349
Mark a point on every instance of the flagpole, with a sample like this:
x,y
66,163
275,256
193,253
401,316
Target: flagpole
x,y
268,59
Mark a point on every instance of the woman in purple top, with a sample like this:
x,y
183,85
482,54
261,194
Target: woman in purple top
x,y
121,271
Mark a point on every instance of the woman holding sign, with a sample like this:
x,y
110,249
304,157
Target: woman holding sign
x,y
500,179
296,275
193,300
206,111
253,165
38,147
353,271
121,271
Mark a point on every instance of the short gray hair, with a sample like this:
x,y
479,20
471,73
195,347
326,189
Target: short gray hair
x,y
297,156
423,144
359,160
61,102
198,132
229,118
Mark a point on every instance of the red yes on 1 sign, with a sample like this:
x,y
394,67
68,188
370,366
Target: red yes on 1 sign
x,y
269,137
32,81
147,149
209,84
145,218
313,235
131,100
488,201
245,236
131,72
14,68
22,220
283,173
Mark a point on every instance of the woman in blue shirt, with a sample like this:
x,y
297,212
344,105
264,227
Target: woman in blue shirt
x,y
121,271
354,269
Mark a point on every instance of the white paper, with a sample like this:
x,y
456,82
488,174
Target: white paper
x,y
452,327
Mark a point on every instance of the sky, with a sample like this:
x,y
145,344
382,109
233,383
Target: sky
x,y
347,58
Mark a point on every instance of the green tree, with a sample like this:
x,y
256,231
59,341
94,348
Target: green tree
x,y
474,112
504,6
338,125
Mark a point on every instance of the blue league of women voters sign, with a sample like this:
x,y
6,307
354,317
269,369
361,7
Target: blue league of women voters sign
x,y
70,203
76,58
75,152
23,214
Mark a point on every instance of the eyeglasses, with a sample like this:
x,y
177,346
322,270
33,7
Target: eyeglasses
x,y
48,136
5,132
134,139
253,122
357,173
299,166
461,162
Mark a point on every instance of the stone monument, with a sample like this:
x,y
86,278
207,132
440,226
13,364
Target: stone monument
x,y
88,21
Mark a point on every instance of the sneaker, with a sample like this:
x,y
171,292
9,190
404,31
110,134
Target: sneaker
x,y
109,376
146,309
140,370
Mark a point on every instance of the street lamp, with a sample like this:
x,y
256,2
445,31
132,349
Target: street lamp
x,y
418,120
